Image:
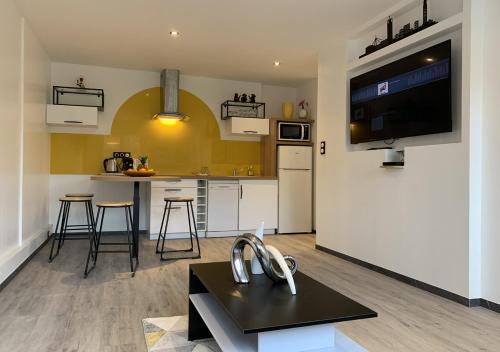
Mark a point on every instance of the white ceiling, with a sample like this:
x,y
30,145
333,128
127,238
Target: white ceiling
x,y
219,38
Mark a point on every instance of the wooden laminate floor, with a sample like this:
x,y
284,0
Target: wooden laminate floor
x,y
50,307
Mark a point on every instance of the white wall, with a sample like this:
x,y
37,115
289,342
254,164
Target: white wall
x,y
491,152
36,139
10,133
414,221
23,140
275,96
120,84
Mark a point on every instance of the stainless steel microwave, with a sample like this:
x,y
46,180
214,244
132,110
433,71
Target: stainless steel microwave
x,y
294,131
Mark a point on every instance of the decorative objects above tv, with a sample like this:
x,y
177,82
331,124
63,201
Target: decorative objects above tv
x,y
404,32
408,97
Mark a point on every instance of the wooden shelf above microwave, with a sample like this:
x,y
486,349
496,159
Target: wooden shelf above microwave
x,y
269,146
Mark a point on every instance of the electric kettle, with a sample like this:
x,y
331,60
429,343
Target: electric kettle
x,y
110,165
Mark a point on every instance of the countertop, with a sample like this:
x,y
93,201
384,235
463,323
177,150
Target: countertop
x,y
123,178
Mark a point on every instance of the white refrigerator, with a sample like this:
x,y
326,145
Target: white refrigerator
x,y
295,189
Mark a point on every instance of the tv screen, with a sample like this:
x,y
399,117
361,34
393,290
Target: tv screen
x,y
408,97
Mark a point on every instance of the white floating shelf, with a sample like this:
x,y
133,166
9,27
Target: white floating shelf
x,y
446,26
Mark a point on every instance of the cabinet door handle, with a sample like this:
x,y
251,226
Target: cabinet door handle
x,y
254,132
173,189
241,191
175,208
72,121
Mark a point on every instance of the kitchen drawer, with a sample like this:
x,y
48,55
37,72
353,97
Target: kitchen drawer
x,y
177,223
184,183
158,194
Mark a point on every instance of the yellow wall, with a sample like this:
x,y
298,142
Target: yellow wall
x,y
178,150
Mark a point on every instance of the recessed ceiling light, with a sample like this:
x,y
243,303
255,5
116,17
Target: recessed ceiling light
x,y
276,63
429,59
174,33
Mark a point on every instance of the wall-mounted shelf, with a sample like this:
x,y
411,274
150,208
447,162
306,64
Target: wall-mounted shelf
x,y
448,25
80,97
231,108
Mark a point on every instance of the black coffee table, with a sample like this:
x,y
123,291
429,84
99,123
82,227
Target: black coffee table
x,y
263,316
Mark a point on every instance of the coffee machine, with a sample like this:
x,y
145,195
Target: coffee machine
x,y
121,161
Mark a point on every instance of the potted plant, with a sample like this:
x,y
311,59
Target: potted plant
x,y
303,109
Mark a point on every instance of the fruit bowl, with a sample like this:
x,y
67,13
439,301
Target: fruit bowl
x,y
142,173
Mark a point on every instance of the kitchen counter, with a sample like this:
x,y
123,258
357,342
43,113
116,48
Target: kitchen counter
x,y
214,177
124,178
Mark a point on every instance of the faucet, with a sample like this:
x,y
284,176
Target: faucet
x,y
235,172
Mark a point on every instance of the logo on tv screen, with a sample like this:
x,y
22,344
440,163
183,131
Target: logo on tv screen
x,y
383,88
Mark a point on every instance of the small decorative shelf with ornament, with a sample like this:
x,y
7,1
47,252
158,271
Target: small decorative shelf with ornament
x,y
81,96
231,108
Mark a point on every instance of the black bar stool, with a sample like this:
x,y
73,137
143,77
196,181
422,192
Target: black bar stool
x,y
163,230
94,250
65,230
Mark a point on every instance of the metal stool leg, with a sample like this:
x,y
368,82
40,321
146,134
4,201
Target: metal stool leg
x,y
132,232
190,229
169,204
66,218
128,220
90,224
195,231
55,233
161,228
94,245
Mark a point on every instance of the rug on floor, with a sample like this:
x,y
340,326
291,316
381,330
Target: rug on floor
x,y
169,334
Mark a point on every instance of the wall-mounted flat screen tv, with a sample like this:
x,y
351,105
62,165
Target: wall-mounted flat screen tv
x,y
408,97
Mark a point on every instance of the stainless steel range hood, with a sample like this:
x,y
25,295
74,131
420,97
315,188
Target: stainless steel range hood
x,y
169,85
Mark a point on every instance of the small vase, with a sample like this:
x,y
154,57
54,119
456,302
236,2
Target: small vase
x,y
255,264
303,113
287,110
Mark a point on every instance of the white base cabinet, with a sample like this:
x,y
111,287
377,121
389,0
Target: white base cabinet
x,y
258,202
178,221
223,208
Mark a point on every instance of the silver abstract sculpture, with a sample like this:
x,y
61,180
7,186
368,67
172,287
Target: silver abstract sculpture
x,y
240,272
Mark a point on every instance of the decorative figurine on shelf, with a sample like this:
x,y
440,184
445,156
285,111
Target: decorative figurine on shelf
x,y
265,254
236,97
254,261
243,98
390,35
79,83
252,98
303,109
425,12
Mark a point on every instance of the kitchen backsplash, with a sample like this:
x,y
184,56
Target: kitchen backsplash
x,y
182,148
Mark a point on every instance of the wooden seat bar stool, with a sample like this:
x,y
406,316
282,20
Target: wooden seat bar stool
x,y
95,250
163,229
63,229
83,226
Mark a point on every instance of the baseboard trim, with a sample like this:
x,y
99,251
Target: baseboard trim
x,y
489,305
20,267
476,302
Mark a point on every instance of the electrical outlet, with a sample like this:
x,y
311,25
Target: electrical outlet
x,y
322,147
121,154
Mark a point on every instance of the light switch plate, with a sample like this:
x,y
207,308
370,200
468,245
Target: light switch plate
x,y
322,147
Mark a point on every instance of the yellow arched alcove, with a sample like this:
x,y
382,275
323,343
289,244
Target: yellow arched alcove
x,y
178,149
